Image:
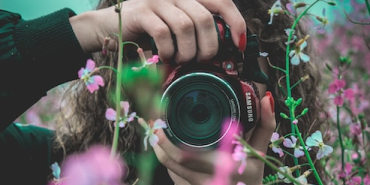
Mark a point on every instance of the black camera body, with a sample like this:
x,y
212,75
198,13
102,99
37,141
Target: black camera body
x,y
202,102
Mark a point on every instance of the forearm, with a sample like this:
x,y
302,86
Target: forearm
x,y
86,28
45,53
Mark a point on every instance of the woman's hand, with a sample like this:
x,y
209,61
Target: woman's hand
x,y
201,168
191,22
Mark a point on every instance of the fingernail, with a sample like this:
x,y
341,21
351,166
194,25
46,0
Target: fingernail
x,y
272,103
242,42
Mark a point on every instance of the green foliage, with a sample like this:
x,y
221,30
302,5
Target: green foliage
x,y
270,179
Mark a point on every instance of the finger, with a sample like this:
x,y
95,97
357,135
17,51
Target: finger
x,y
231,15
177,179
182,27
201,161
160,33
205,29
186,174
262,133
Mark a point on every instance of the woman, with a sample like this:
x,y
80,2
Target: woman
x,y
87,111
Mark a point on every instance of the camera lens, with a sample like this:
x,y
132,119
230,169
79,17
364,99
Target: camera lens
x,y
199,113
195,107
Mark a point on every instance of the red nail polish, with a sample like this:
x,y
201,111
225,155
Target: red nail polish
x,y
242,42
272,103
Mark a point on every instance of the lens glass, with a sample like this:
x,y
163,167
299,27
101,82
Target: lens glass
x,y
196,108
199,111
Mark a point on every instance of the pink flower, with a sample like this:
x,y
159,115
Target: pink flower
x,y
275,144
153,60
367,180
240,154
293,144
92,82
347,171
356,180
93,167
355,129
337,88
150,130
110,114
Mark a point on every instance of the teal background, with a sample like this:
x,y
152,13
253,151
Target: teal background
x,y
30,9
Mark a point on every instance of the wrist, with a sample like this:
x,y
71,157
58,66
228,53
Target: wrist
x,y
86,28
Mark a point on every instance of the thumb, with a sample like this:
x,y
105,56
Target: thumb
x,y
262,133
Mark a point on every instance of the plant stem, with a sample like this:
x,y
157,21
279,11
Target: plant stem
x,y
340,140
289,88
108,67
308,157
118,82
263,159
367,6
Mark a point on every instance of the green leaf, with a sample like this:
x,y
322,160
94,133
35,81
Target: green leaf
x,y
284,115
304,111
298,102
328,67
269,178
332,3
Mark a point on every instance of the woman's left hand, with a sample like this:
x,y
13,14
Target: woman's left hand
x,y
202,168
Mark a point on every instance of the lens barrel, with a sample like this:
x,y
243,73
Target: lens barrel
x,y
196,107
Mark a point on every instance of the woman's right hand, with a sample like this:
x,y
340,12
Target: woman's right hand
x,y
190,21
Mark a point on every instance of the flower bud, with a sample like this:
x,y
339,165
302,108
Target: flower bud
x,y
332,3
299,5
301,41
284,115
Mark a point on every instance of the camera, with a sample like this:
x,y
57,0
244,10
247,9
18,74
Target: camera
x,y
203,102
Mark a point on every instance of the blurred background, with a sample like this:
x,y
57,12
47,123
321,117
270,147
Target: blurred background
x,y
340,38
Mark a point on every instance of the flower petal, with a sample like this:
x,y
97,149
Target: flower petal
x,y
92,87
288,143
110,114
242,167
274,137
338,100
332,88
131,117
304,57
98,80
310,141
349,94
121,124
298,153
158,124
90,65
153,139
327,149
56,170
303,45
153,60
278,151
126,106
340,83
317,136
294,60
146,142
81,72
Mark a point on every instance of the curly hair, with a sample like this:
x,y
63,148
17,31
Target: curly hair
x,y
82,122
